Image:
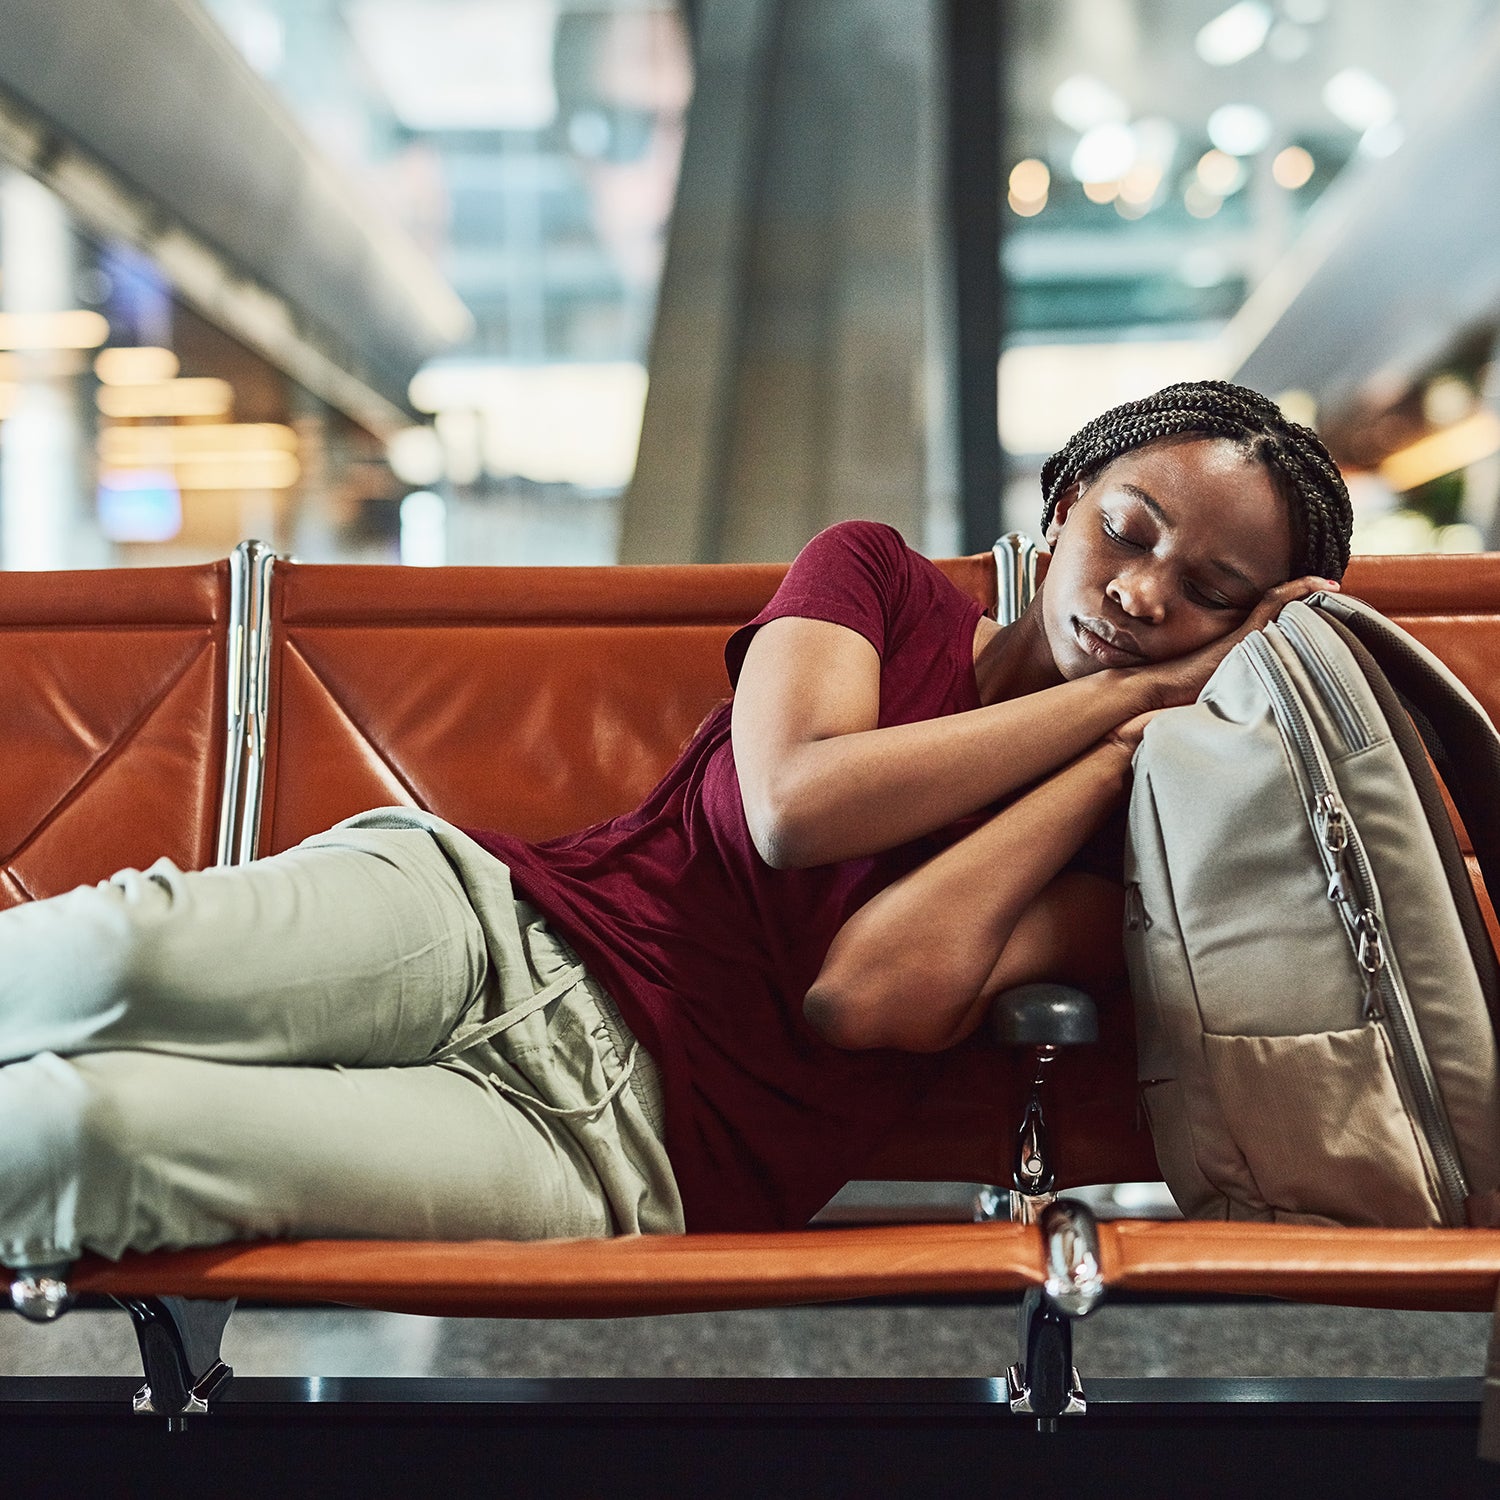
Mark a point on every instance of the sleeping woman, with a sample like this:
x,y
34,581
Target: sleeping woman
x,y
705,1013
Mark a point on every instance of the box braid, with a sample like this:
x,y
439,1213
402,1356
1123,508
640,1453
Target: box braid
x,y
1317,499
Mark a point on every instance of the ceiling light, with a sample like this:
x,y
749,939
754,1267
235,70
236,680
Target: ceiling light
x,y
1140,184
164,446
1293,167
1359,99
1456,447
1239,129
1382,140
204,396
1029,182
1447,400
1233,35
143,365
76,329
415,455
1105,154
1083,101
1030,179
1220,173
1101,192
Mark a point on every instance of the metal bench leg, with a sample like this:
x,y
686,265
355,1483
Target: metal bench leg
x,y
179,1341
1043,1382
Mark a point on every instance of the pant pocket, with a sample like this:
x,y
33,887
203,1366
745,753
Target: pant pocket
x,y
1322,1127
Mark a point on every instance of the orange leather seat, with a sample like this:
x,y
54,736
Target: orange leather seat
x,y
592,1278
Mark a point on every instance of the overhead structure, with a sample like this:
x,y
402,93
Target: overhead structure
x,y
153,129
1396,264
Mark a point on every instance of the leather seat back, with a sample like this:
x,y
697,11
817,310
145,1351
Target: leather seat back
x,y
113,722
532,700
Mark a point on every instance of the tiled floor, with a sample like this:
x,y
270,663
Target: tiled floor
x,y
831,1341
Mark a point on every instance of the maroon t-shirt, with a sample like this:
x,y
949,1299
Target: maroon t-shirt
x,y
709,952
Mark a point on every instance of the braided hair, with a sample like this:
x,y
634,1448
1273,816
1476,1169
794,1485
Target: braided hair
x,y
1299,464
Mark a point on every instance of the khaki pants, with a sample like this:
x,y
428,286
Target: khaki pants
x,y
365,1037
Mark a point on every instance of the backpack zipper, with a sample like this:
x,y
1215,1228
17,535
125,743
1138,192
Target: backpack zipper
x,y
1386,1002
1330,685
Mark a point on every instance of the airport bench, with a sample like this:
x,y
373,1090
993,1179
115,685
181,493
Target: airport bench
x,y
225,712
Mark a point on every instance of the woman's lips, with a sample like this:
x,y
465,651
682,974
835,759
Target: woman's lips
x,y
1112,651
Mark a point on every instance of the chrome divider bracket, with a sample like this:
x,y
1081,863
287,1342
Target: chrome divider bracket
x,y
1015,575
262,560
1015,582
237,686
1043,1382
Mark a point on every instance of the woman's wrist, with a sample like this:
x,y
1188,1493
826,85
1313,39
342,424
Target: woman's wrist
x,y
1133,691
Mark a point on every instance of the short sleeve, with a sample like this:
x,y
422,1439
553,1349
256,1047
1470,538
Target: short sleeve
x,y
853,574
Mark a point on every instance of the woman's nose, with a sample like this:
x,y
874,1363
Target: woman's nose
x,y
1139,594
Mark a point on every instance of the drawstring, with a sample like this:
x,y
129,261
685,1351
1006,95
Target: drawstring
x,y
582,1112
465,1040
476,1034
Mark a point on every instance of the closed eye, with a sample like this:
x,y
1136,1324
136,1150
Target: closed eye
x,y
1212,601
1117,536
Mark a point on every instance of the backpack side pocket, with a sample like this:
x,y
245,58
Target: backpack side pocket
x,y
1323,1127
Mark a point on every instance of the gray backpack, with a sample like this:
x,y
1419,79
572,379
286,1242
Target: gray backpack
x,y
1314,986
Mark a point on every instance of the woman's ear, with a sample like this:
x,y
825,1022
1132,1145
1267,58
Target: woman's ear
x,y
1060,512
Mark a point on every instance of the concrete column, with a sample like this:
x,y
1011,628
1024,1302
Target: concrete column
x,y
790,372
46,520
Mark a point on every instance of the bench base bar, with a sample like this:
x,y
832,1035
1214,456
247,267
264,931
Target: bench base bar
x,y
733,1437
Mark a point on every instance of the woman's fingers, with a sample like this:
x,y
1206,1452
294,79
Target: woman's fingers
x,y
1129,733
1275,599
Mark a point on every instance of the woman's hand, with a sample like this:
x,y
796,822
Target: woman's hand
x,y
1127,736
1173,683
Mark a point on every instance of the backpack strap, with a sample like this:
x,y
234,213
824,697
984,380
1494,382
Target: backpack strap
x,y
1454,727
1408,741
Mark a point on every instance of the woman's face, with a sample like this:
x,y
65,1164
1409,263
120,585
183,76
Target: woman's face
x,y
1166,549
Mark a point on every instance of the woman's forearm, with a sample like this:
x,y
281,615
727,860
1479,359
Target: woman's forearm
x,y
855,794
913,967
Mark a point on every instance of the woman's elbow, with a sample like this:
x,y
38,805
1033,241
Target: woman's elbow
x,y
862,1019
777,835
859,1025
842,1023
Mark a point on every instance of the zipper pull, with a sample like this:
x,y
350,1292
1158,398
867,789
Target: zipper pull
x,y
1137,918
1333,832
1369,953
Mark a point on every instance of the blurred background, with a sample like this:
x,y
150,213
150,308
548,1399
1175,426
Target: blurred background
x,y
579,281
